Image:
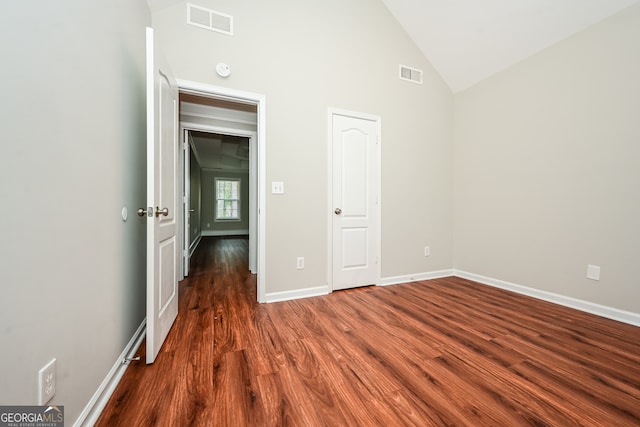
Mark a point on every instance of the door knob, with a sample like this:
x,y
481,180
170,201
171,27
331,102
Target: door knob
x,y
338,211
142,212
163,212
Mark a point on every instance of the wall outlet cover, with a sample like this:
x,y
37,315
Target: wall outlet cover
x,y
593,272
47,382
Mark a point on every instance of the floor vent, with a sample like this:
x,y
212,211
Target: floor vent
x,y
410,74
209,19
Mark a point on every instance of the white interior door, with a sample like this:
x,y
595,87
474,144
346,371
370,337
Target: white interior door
x,y
355,196
162,224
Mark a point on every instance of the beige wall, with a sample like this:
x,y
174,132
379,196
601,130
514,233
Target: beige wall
x,y
307,56
547,168
72,115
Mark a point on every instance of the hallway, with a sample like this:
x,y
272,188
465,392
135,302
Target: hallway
x,y
176,390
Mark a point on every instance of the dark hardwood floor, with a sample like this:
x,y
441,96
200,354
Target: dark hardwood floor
x,y
434,353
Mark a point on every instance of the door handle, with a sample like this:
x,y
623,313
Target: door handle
x,y
338,211
144,211
163,212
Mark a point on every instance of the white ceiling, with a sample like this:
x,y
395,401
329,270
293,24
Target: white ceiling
x,y
469,40
221,152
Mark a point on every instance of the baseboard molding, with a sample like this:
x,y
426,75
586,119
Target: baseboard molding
x,y
194,245
324,290
297,294
395,280
92,411
215,233
586,306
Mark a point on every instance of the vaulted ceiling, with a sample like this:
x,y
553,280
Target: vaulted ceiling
x,y
469,40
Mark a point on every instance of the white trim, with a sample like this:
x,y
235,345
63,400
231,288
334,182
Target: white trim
x,y
194,245
209,233
92,411
238,217
188,109
261,102
218,129
185,193
226,170
586,306
378,225
297,294
407,278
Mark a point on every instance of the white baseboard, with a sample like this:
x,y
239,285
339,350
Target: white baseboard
x,y
324,290
586,306
209,233
194,245
297,294
394,280
94,408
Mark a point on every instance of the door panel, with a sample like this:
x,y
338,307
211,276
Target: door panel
x,y
354,188
355,245
162,227
355,154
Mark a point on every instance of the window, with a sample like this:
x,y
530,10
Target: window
x,y
227,199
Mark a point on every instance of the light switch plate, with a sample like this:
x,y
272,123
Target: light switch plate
x,y
277,187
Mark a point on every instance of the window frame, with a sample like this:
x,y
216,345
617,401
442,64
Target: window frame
x,y
238,218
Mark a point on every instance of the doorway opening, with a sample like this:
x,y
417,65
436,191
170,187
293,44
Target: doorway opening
x,y
219,187
231,124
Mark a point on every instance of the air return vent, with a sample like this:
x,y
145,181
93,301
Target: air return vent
x,y
209,19
410,74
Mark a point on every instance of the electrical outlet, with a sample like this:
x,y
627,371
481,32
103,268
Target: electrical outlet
x,y
300,263
593,272
427,251
47,382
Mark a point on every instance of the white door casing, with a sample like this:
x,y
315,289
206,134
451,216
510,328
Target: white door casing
x,y
253,205
186,201
162,200
355,201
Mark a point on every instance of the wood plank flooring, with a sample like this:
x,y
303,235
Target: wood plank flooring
x,y
443,352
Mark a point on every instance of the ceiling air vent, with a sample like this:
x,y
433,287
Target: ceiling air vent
x,y
209,19
410,74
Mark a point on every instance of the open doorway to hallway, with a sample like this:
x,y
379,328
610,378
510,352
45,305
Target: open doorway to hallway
x,y
217,186
233,123
220,171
